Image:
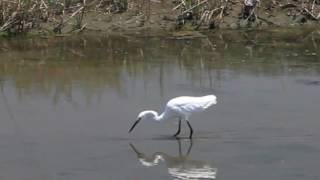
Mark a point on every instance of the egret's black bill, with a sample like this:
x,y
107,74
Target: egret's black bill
x,y
134,125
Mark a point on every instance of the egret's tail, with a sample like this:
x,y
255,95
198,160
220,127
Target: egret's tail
x,y
211,100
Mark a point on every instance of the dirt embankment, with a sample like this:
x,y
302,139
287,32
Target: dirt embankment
x,y
73,16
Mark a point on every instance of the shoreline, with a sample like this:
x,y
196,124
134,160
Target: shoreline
x,y
159,17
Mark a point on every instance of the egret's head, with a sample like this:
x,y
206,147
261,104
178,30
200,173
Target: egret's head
x,y
144,115
147,115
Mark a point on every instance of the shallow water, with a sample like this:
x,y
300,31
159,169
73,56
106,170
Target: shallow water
x,y
66,105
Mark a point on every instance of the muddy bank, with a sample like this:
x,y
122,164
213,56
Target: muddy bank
x,y
155,16
161,17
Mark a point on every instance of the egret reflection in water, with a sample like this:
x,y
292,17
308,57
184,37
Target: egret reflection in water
x,y
180,167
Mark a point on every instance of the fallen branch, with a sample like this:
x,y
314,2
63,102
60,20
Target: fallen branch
x,y
313,5
9,22
288,6
73,14
59,27
175,8
44,4
188,10
311,14
267,21
80,29
223,8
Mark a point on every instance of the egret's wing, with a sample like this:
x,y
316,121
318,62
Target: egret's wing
x,y
189,105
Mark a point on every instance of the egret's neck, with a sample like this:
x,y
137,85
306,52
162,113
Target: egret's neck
x,y
160,117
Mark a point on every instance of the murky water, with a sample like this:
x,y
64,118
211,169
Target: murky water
x,y
66,105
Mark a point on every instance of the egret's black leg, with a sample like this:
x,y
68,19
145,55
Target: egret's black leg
x,y
180,150
191,130
139,154
179,128
190,147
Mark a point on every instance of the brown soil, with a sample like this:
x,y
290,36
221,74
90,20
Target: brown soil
x,y
161,17
158,16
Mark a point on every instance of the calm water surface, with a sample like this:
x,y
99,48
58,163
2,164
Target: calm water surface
x,y
66,105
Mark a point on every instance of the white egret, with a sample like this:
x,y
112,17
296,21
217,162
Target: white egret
x,y
180,107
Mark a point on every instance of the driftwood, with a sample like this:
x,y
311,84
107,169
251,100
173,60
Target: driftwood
x,y
177,7
289,5
63,22
314,17
223,8
267,21
200,3
9,22
313,3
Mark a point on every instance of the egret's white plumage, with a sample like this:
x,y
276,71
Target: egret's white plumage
x,y
186,105
180,107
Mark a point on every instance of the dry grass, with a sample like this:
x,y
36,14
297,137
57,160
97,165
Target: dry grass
x,y
20,16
